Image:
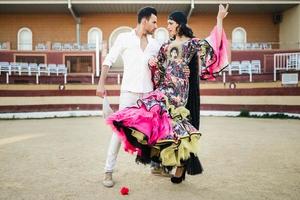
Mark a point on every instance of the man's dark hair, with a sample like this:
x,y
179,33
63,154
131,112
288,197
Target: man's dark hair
x,y
146,12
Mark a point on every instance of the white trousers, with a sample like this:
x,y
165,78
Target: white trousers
x,y
126,99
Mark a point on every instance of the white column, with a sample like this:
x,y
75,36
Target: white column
x,y
250,72
274,65
37,78
97,57
65,79
7,78
119,79
78,31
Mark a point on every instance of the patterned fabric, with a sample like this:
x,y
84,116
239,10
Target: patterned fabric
x,y
219,44
169,76
159,123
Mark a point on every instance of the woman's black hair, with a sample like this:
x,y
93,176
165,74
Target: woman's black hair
x,y
182,28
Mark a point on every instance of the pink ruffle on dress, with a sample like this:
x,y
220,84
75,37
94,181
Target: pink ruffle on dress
x,y
148,117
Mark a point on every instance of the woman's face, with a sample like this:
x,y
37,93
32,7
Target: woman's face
x,y
172,25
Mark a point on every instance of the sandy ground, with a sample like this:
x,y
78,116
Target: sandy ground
x,y
63,159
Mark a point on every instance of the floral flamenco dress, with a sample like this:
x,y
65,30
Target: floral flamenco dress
x,y
157,127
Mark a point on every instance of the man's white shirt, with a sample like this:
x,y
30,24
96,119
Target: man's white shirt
x,y
136,75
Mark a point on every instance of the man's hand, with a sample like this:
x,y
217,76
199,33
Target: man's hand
x,y
101,92
223,11
153,61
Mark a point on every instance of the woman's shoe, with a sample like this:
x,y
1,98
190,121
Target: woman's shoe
x,y
179,179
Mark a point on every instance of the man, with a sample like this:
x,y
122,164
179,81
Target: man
x,y
136,48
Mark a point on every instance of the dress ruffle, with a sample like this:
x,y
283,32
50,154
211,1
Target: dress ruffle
x,y
157,131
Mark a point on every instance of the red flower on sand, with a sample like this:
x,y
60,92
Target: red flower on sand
x,y
124,191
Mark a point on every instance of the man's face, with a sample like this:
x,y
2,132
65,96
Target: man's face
x,y
151,24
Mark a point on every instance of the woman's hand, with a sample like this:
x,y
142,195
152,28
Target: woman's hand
x,y
221,15
223,11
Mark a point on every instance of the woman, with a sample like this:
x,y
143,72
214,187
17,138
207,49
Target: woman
x,y
158,128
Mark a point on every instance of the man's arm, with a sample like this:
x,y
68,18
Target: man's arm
x,y
100,88
112,56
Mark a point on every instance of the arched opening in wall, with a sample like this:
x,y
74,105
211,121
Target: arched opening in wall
x,y
118,65
161,35
25,39
93,33
239,38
